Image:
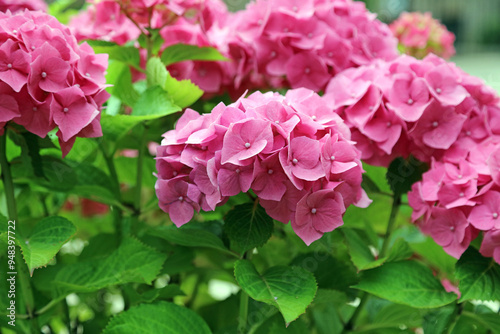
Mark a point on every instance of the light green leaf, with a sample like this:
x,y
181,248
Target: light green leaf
x,y
183,92
290,289
435,255
180,52
190,237
155,102
405,282
121,79
248,226
479,277
160,317
47,238
131,262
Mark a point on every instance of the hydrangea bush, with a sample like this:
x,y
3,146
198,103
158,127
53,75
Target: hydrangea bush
x,y
363,197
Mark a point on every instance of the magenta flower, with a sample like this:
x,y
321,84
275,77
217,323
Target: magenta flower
x,y
179,199
491,245
448,228
486,214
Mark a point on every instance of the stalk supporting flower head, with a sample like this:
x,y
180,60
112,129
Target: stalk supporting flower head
x,y
293,151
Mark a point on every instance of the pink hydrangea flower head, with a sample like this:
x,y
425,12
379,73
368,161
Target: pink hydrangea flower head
x,y
292,151
420,34
20,5
47,80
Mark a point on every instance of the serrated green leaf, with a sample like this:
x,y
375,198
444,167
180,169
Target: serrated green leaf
x,y
290,289
180,52
162,317
479,277
46,239
155,102
405,282
183,92
131,262
359,249
248,226
190,237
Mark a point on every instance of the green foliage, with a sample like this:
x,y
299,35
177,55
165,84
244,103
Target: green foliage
x,y
290,289
403,173
132,261
405,282
479,277
180,52
161,317
45,240
248,226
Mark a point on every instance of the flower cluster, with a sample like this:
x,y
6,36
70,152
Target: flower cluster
x,y
421,107
458,199
47,80
21,5
305,43
420,34
292,151
192,22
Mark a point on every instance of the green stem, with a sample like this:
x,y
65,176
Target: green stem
x,y
138,180
117,210
396,203
244,298
22,275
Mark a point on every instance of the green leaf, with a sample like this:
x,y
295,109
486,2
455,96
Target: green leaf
x,y
156,73
183,92
488,320
47,238
403,173
190,237
434,255
248,226
479,276
126,54
180,52
290,289
406,282
92,183
121,79
131,262
439,320
359,250
155,102
162,317
156,40
330,272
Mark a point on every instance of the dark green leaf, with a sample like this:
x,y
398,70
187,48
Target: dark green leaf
x,y
180,52
248,226
439,320
290,289
403,173
190,237
488,320
359,250
45,240
330,272
162,317
479,276
405,282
